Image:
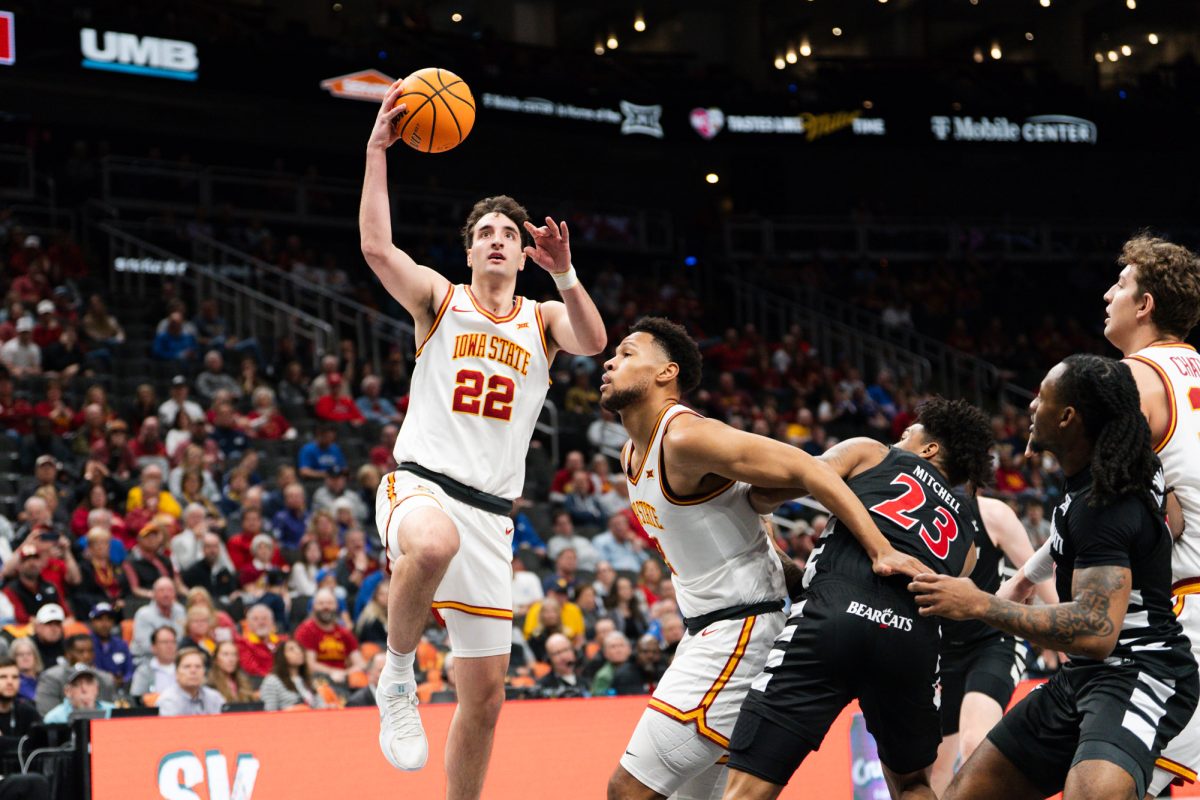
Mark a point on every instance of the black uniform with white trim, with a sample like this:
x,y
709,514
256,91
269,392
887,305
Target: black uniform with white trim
x,y
856,635
975,656
1125,708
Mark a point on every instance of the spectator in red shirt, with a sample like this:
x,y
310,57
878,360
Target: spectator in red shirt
x,y
46,329
55,409
113,451
264,556
381,454
256,648
240,544
560,486
337,406
15,414
149,445
330,648
265,421
60,568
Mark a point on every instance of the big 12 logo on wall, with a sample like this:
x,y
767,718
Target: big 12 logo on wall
x,y
180,772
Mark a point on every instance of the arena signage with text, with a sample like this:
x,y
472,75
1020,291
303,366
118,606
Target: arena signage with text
x,y
151,56
369,85
8,39
708,122
1057,128
149,266
633,118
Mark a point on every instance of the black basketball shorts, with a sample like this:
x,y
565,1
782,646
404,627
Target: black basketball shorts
x,y
843,642
990,666
1109,712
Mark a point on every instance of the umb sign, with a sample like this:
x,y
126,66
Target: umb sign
x,y
370,85
8,38
139,55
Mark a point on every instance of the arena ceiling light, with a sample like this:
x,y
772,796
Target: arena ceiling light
x,y
639,23
1152,38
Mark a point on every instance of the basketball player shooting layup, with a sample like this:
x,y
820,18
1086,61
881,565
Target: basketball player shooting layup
x,y
1149,311
689,481
482,369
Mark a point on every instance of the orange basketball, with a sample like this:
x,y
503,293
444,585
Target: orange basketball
x,y
441,110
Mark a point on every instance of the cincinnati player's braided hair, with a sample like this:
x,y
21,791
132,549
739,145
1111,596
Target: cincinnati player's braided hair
x,y
679,347
965,436
1104,393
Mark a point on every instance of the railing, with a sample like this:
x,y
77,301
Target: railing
x,y
247,311
901,240
841,333
374,333
331,204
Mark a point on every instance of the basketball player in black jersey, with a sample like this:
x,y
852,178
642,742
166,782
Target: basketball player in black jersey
x,y
1096,728
981,665
858,635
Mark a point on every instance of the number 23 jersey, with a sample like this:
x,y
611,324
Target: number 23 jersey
x,y
912,503
477,389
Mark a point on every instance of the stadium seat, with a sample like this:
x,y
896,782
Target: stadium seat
x,y
369,650
540,669
127,630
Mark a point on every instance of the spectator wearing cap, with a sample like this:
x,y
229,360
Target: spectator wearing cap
x,y
322,455
178,401
213,379
563,535
331,649
334,490
21,353
373,406
111,652
257,645
214,571
48,633
46,469
82,694
337,405
157,672
148,562
79,651
163,611
47,328
189,696
27,589
174,342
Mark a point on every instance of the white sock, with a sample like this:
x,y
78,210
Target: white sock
x,y
400,668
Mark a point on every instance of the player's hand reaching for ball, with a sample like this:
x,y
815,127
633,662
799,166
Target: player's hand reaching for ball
x,y
551,245
387,123
944,596
893,562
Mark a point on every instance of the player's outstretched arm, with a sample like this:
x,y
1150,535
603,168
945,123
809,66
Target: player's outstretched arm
x,y
1087,626
413,286
768,464
1006,528
574,324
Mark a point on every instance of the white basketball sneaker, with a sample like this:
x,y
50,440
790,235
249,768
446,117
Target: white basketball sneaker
x,y
401,737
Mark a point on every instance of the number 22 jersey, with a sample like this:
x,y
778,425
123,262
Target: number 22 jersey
x,y
912,503
477,389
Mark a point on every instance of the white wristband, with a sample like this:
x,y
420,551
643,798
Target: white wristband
x,y
565,280
1040,566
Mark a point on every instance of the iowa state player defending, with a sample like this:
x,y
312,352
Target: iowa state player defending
x,y
857,634
689,481
481,375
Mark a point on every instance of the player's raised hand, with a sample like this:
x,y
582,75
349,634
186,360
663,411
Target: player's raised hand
x,y
944,596
387,122
551,245
893,562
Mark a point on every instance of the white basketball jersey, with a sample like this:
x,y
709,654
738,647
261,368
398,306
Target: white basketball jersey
x,y
715,543
1178,365
477,390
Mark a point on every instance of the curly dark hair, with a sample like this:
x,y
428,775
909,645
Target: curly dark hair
x,y
678,347
1169,273
500,204
965,435
1104,393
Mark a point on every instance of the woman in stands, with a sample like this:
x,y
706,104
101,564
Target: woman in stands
x,y
227,676
289,683
372,622
96,497
625,609
29,665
